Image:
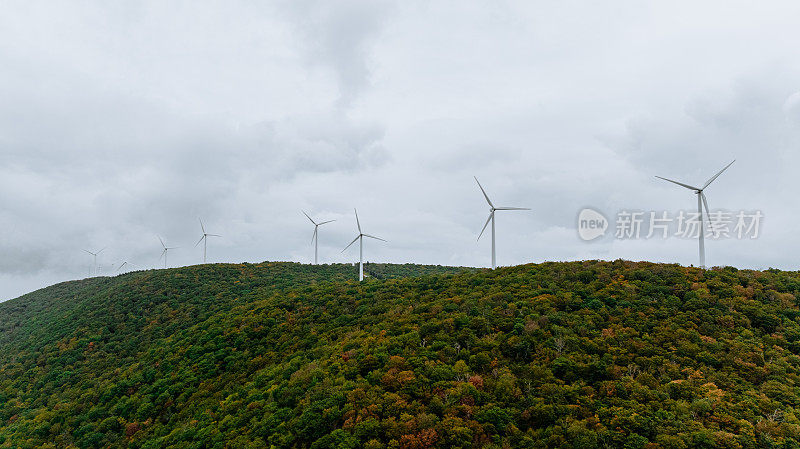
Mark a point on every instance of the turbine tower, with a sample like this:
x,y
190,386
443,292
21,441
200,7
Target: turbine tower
x,y
164,252
204,239
492,210
315,236
360,238
94,265
701,202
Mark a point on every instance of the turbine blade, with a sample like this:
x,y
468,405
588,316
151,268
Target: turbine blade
x,y
162,254
325,222
491,214
213,235
201,239
373,237
314,235
89,252
358,223
484,192
718,173
304,213
708,213
351,243
102,250
201,225
512,208
123,264
679,183
162,242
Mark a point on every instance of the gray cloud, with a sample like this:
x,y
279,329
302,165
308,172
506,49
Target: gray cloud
x,y
122,122
338,36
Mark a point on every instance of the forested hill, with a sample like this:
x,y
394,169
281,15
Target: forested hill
x,y
572,355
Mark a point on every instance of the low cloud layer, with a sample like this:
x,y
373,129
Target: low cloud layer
x,y
122,123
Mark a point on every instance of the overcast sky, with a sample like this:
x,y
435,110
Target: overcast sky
x,y
127,120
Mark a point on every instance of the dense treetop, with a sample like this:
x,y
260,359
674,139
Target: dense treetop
x,y
572,355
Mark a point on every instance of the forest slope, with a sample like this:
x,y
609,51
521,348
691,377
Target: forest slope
x,y
573,355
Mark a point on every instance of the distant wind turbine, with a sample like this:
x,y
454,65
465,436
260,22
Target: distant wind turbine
x,y
315,236
204,239
360,238
94,265
701,202
492,210
123,264
166,249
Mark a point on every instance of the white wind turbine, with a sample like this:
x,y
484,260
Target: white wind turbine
x,y
701,202
315,236
492,210
204,239
94,265
360,238
164,252
123,264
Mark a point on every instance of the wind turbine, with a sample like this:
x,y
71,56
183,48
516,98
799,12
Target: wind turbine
x,y
94,266
204,239
492,210
166,249
123,264
701,202
360,238
315,236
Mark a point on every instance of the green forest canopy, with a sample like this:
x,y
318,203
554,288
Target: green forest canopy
x,y
573,355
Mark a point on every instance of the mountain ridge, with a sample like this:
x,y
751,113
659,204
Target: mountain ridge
x,y
559,354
